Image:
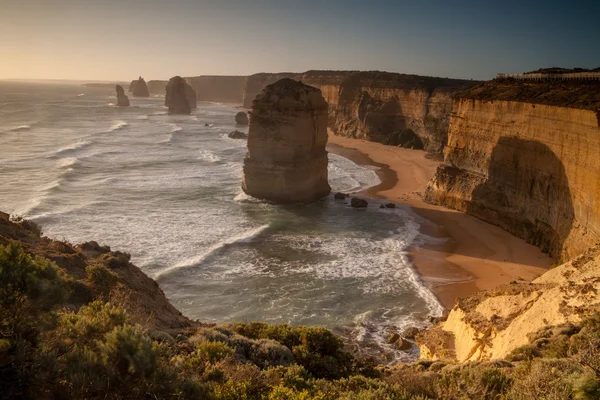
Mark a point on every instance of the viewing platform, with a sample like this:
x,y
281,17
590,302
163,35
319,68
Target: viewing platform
x,y
569,76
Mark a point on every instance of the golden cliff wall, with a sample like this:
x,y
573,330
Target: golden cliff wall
x,y
226,89
531,169
257,82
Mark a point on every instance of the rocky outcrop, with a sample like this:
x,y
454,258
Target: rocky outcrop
x,y
157,87
176,97
491,324
286,160
237,135
135,291
132,85
257,82
122,99
241,118
530,169
139,89
225,89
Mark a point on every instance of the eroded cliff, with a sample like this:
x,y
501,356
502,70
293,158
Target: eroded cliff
x,y
256,83
530,169
492,324
226,89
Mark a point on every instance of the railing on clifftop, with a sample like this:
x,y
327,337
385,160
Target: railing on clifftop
x,y
569,76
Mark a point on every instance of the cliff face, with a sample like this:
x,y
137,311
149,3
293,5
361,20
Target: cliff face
x,y
157,87
491,324
379,106
530,169
257,82
225,89
286,160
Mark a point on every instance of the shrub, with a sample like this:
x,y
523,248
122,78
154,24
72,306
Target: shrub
x,y
101,279
211,352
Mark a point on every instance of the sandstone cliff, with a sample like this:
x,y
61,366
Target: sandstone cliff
x,y
176,97
286,160
140,89
226,89
257,82
157,87
530,169
491,324
122,99
190,94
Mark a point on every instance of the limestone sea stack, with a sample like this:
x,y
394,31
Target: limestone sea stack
x,y
140,89
176,96
286,160
122,99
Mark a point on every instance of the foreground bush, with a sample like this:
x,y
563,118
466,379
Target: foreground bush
x,y
51,349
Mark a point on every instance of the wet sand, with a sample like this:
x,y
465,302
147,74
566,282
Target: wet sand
x,y
470,254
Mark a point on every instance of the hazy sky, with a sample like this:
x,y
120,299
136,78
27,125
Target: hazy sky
x,y
121,39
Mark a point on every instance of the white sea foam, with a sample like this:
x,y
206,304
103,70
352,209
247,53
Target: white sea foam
x,y
81,94
117,125
142,117
207,155
20,128
347,176
72,148
244,237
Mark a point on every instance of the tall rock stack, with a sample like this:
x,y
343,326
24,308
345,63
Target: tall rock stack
x,y
286,160
122,99
176,97
140,89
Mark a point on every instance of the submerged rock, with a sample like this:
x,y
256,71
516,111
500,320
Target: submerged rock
x,y
286,160
237,135
241,118
140,89
358,203
340,196
122,99
176,96
390,205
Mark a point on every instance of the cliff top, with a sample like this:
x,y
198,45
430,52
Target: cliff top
x,y
574,94
288,93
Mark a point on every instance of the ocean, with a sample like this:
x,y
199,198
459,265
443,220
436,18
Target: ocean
x,y
167,190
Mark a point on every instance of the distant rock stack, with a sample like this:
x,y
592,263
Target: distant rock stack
x,y
241,118
132,85
122,99
176,97
286,160
190,94
140,89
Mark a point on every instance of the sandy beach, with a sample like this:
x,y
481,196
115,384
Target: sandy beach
x,y
472,255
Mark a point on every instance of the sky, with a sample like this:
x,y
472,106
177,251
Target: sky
x,y
122,39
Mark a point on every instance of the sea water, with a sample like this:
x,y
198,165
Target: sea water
x,y
167,189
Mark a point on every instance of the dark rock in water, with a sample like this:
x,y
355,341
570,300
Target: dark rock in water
x,y
206,125
241,118
390,205
176,98
392,337
340,196
237,135
381,206
122,99
140,89
410,332
190,93
402,344
132,85
358,203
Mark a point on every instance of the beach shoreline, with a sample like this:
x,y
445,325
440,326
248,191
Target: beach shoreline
x,y
467,254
